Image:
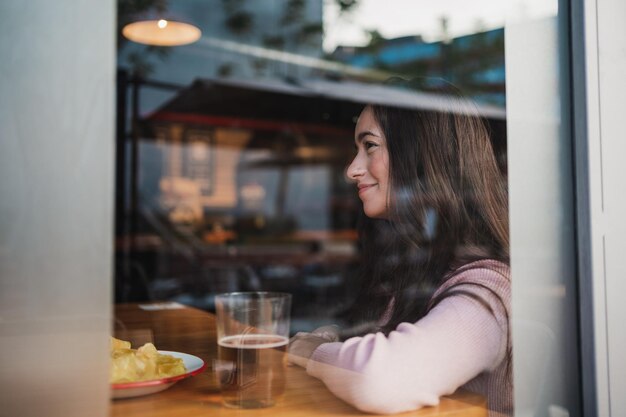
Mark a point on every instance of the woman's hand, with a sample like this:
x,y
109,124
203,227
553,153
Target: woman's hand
x,y
303,344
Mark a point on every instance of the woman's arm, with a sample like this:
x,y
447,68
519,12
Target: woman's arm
x,y
417,363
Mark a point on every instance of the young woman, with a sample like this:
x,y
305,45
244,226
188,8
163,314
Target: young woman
x,y
434,310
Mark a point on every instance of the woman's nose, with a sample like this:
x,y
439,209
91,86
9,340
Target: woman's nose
x,y
354,170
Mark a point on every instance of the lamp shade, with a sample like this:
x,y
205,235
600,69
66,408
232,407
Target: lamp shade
x,y
161,32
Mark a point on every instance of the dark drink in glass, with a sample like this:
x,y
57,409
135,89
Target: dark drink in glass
x,y
252,369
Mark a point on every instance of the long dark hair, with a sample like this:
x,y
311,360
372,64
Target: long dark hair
x,y
447,207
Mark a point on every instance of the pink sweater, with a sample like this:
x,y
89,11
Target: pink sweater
x,y
459,343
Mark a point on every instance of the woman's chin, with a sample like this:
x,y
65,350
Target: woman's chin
x,y
375,213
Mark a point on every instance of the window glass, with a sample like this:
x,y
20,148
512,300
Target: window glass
x,y
403,169
235,154
236,145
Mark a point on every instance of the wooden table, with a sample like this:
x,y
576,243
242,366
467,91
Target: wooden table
x,y
193,331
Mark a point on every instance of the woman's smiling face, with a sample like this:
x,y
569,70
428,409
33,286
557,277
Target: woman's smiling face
x,y
370,167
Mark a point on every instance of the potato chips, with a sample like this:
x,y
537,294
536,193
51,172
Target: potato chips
x,y
145,363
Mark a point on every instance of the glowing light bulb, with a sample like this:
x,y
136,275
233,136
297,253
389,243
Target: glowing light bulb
x,y
161,32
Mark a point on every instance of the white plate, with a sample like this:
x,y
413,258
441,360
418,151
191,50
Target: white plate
x,y
193,364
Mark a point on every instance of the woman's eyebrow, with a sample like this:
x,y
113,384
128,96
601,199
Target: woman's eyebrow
x,y
361,135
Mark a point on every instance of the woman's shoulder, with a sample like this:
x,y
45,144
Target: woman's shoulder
x,y
482,268
488,274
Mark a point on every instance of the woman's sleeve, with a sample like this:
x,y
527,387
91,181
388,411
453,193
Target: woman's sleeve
x,y
417,363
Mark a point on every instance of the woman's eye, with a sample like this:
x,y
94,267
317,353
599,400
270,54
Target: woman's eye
x,y
370,145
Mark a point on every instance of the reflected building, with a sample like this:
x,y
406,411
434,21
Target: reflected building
x,y
474,63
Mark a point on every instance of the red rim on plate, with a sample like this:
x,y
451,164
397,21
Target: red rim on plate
x,y
167,380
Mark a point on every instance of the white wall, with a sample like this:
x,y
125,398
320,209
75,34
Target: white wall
x,y
605,62
56,205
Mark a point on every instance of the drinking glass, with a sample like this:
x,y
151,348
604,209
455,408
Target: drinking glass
x,y
252,338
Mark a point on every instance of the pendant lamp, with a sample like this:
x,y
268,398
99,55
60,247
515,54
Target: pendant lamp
x,y
161,29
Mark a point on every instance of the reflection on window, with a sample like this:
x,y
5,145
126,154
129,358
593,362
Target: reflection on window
x,y
235,146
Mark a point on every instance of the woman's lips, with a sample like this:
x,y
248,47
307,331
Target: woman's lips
x,y
364,187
